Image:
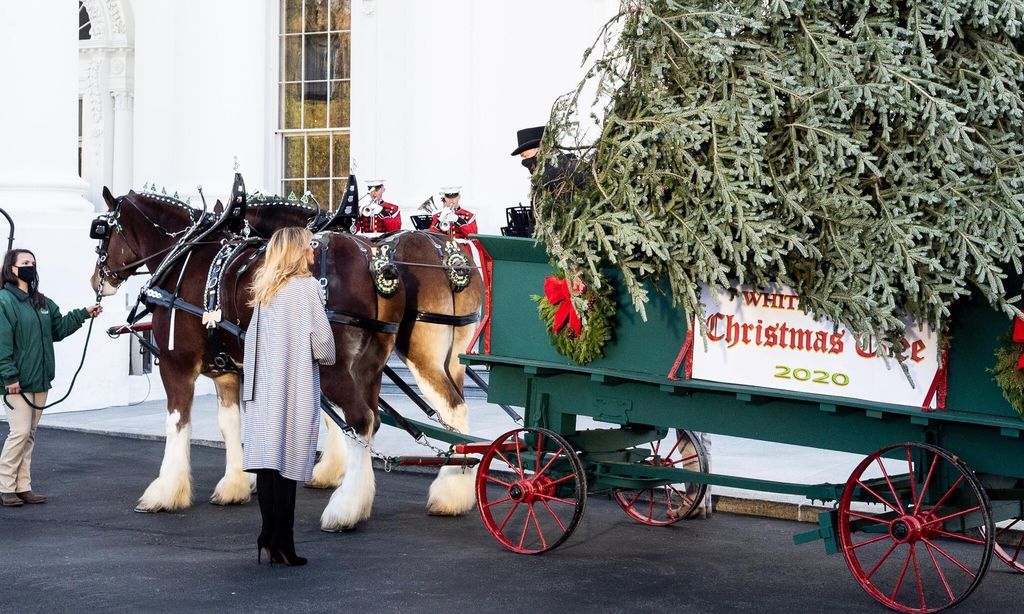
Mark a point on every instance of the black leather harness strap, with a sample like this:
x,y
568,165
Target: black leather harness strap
x,y
162,298
447,320
351,319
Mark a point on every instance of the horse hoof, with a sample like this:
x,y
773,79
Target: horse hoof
x,y
144,510
314,485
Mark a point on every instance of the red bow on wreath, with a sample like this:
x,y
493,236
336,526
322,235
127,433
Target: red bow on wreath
x,y
1018,337
557,291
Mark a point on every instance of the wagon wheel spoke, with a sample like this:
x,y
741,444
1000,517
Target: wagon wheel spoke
x,y
508,516
938,569
870,518
927,481
873,540
949,558
553,515
917,576
884,501
947,495
910,472
903,574
960,537
884,558
954,515
494,480
892,488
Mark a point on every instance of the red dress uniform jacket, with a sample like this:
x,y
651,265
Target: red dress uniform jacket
x,y
388,220
460,229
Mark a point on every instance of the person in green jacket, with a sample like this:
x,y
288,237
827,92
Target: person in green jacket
x,y
29,325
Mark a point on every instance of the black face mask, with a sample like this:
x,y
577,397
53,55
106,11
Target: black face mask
x,y
530,163
27,274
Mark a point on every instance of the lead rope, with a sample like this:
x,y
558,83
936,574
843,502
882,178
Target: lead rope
x,y
81,363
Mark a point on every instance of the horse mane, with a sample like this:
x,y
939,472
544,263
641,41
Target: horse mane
x,y
193,212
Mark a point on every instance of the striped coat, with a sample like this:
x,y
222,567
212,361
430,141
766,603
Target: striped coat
x,y
285,340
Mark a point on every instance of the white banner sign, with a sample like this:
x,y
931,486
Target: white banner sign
x,y
761,338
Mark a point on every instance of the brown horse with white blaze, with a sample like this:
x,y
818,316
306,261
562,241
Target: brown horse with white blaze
x,y
145,227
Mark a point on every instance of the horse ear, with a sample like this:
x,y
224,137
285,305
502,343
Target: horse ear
x,y
218,207
107,196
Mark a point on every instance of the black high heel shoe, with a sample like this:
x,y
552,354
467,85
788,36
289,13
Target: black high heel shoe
x,y
289,559
261,545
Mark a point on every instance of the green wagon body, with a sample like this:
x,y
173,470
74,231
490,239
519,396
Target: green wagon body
x,y
629,390
629,385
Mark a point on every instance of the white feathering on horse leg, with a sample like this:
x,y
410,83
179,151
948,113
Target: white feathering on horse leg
x,y
352,501
452,493
235,486
330,469
172,489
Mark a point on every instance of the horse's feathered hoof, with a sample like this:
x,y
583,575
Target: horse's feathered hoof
x,y
452,493
144,510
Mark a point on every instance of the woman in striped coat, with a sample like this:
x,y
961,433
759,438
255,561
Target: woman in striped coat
x,y
287,336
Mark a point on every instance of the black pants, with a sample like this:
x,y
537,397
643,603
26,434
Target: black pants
x,y
276,495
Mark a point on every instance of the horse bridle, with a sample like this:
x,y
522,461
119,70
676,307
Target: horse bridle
x,y
105,225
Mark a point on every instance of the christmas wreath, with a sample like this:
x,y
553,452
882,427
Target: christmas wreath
x,y
578,317
1009,362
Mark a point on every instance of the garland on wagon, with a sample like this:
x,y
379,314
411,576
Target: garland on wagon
x,y
870,155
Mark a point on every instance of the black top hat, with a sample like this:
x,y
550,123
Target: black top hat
x,y
528,139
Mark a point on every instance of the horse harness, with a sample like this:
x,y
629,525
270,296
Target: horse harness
x,y
454,261
240,238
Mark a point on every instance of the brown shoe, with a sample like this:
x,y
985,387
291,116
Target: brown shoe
x,y
30,497
9,499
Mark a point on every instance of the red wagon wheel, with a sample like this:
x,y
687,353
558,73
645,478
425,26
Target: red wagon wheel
x,y
664,505
531,490
1013,553
909,537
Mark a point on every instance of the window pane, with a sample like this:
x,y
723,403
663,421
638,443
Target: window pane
x,y
315,111
340,53
341,14
292,17
319,161
291,106
293,157
340,104
293,187
341,156
316,15
321,191
316,57
291,61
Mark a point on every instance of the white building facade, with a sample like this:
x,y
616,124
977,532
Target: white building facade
x,y
422,93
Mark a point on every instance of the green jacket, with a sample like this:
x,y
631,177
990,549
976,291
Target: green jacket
x,y
27,334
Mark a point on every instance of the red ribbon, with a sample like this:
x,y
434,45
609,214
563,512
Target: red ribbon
x,y
557,292
1018,337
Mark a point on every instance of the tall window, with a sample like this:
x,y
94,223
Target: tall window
x,y
315,97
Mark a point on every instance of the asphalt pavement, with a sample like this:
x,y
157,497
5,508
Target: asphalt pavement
x,y
86,550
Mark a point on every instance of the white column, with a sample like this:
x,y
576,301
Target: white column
x,y
39,113
123,155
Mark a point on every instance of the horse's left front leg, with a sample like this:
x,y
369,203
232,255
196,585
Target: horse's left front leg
x,y
429,359
236,485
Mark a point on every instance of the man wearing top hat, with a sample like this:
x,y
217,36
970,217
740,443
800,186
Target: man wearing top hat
x,y
377,215
452,219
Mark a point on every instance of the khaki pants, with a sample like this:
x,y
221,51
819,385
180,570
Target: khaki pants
x,y
16,458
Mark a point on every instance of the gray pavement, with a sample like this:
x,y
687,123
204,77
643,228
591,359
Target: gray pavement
x,y
86,550
731,455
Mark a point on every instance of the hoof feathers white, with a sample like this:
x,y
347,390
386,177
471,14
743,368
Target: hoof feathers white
x,y
453,492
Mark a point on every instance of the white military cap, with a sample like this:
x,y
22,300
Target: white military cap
x,y
372,183
451,190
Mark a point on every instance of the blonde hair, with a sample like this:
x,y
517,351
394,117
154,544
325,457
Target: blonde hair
x,y
286,258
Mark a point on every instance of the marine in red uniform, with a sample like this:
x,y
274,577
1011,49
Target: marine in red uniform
x,y
453,220
377,215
